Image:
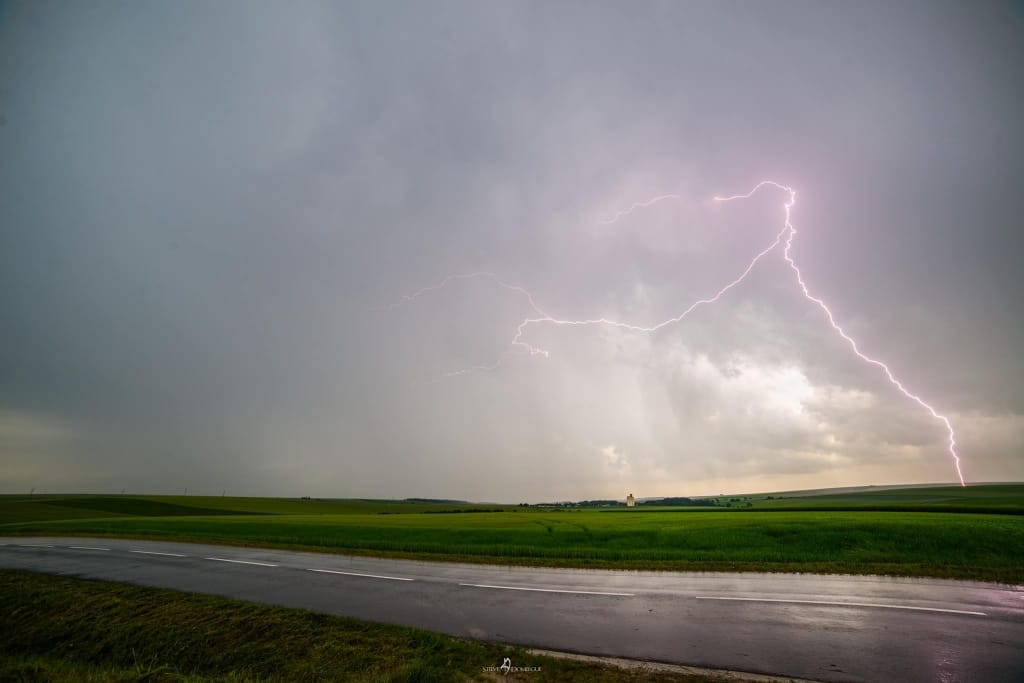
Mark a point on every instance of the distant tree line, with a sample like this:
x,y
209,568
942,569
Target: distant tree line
x,y
674,501
577,504
681,502
434,500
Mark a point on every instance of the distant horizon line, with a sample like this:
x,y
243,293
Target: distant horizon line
x,y
185,494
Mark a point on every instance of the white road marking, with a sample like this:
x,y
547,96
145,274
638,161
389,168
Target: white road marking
x,y
844,604
369,576
85,547
543,590
224,559
153,552
25,545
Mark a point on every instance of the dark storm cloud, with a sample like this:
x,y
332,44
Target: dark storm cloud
x,y
207,211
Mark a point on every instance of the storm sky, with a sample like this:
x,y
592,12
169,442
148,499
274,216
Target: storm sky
x,y
210,215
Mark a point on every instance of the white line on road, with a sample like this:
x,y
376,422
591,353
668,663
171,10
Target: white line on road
x,y
85,547
153,552
224,559
370,576
844,604
25,545
543,590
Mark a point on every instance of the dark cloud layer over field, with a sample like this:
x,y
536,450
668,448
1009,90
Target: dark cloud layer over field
x,y
209,212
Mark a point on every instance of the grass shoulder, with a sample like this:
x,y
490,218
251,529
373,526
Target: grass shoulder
x,y
77,630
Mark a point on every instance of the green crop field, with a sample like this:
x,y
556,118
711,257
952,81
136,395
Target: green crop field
x,y
994,498
972,533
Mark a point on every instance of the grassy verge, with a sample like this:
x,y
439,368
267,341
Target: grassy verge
x,y
74,630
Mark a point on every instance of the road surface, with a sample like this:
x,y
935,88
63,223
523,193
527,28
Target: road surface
x,y
830,628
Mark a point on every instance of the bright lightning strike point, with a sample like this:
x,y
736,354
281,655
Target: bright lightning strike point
x,y
785,236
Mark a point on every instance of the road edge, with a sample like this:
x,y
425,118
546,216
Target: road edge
x,y
662,667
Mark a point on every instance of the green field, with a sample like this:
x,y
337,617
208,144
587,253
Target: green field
x,y
78,631
988,498
910,532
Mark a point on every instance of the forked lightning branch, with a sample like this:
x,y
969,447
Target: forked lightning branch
x,y
784,238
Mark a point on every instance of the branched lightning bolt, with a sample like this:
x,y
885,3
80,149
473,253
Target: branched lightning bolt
x,y
638,205
791,230
785,236
406,298
517,340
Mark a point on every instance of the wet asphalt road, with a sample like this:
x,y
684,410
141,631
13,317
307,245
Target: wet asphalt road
x,y
832,628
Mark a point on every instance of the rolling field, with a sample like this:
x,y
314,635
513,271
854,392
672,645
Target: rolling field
x,y
993,498
846,534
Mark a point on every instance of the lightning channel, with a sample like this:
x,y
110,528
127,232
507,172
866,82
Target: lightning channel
x,y
637,206
534,351
412,296
784,237
787,254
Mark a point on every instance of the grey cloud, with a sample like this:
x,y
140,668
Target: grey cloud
x,y
207,211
